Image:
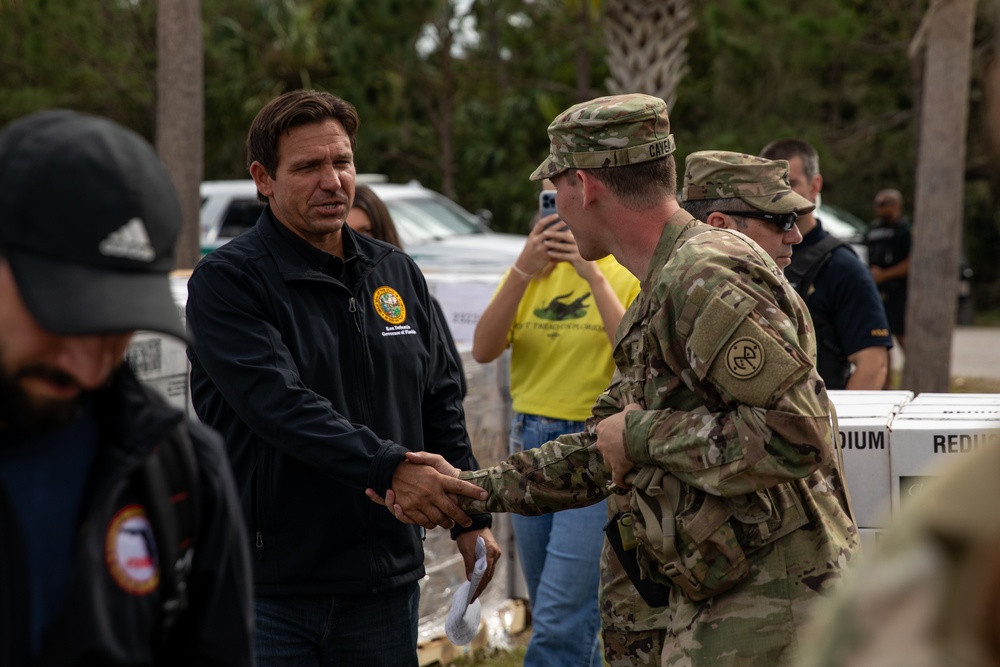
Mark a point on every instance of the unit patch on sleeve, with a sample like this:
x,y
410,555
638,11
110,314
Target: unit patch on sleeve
x,y
745,358
130,551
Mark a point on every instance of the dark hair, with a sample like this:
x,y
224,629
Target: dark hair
x,y
383,228
786,149
290,110
640,185
702,208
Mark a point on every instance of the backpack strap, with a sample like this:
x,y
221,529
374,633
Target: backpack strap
x,y
170,479
807,262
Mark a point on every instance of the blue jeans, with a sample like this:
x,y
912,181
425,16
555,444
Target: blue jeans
x,y
365,630
561,559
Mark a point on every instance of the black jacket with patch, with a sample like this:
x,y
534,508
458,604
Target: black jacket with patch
x,y
319,385
113,611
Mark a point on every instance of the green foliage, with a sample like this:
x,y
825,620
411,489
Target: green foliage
x,y
95,57
466,112
834,74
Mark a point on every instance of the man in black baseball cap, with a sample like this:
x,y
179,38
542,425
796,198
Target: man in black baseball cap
x,y
88,221
122,539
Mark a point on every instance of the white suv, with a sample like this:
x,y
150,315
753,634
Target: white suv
x,y
438,233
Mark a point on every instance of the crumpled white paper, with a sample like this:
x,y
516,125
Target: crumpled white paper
x,y
463,619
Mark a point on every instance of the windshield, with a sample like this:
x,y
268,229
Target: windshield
x,y
421,219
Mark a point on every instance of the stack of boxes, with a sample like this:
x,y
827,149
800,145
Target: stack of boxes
x,y
934,431
893,441
864,419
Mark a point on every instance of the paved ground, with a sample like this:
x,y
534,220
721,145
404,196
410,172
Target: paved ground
x,y
975,353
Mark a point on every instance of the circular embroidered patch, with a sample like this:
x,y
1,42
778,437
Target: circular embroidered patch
x,y
745,358
389,305
129,551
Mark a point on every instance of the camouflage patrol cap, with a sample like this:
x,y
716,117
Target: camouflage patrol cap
x,y
607,132
759,182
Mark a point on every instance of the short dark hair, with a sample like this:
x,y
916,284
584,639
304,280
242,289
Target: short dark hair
x,y
786,149
640,185
290,110
702,208
383,228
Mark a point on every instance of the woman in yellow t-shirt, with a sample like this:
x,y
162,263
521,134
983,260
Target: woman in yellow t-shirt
x,y
558,313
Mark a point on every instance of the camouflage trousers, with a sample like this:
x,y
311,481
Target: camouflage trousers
x,y
757,623
641,648
633,632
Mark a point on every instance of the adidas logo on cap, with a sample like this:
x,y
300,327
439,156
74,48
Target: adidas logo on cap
x,y
130,241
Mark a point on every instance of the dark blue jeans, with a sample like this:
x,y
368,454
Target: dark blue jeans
x,y
362,630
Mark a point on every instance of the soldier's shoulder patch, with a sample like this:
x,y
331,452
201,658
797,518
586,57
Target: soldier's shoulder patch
x,y
745,358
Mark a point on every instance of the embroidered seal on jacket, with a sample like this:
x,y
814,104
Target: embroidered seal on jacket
x,y
389,305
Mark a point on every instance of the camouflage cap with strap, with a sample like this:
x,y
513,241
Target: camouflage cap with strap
x,y
607,132
759,182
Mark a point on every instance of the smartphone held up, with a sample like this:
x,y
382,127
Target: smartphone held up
x,y
547,206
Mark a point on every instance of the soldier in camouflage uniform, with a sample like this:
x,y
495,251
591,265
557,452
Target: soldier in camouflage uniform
x,y
715,385
715,183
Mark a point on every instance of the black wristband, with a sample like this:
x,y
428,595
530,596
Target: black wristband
x,y
479,521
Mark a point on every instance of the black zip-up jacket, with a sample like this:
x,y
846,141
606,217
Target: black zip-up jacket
x,y
111,616
319,386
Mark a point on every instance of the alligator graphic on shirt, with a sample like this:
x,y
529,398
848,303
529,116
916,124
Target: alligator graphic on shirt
x,y
558,310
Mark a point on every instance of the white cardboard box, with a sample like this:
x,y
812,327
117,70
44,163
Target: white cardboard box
x,y
463,299
953,410
864,442
870,538
846,396
939,398
874,409
160,361
923,448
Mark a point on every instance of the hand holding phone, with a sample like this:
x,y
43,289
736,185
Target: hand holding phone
x,y
547,206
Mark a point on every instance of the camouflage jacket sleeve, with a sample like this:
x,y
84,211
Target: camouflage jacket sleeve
x,y
562,474
733,402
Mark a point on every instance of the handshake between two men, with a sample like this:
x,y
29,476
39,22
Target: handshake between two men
x,y
426,490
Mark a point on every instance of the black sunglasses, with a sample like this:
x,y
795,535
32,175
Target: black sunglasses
x,y
784,221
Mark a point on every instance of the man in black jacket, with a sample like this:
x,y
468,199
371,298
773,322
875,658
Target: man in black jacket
x,y
320,358
121,543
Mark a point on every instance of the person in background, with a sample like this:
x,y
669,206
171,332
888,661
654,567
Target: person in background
x,y
558,314
852,332
111,554
370,216
318,355
888,240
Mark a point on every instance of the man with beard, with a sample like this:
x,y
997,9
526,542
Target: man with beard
x,y
109,555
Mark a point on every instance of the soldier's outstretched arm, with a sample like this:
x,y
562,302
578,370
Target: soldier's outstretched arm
x,y
562,474
426,494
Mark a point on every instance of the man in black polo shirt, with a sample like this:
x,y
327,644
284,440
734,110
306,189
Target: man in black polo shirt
x,y
852,333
